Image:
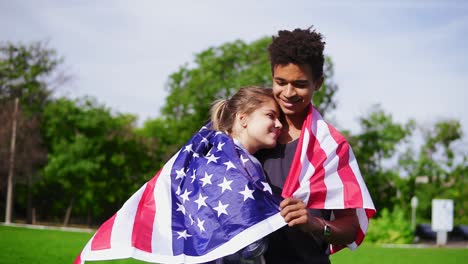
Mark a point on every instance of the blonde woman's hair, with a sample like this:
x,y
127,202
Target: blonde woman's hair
x,y
246,100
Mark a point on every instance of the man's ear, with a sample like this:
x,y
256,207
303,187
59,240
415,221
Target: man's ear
x,y
318,83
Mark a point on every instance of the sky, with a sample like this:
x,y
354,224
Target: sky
x,y
410,57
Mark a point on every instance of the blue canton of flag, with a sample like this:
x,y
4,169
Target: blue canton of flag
x,y
210,200
219,191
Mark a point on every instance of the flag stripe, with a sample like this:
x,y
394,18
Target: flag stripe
x,y
102,238
144,218
352,189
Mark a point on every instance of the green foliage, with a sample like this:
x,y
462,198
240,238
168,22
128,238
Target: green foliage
x,y
28,72
377,143
444,165
219,72
390,228
96,160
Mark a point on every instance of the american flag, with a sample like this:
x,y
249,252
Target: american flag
x,y
209,200
324,174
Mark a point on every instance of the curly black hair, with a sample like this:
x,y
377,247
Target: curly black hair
x,y
300,47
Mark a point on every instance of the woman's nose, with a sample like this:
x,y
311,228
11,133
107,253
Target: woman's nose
x,y
278,124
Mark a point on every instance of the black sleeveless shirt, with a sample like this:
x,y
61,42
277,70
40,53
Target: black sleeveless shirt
x,y
290,244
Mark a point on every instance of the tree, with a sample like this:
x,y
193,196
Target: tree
x,y
30,73
445,166
217,73
376,144
96,160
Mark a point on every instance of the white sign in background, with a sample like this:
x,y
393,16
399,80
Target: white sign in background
x,y
442,215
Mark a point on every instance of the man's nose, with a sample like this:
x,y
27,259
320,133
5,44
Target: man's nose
x,y
290,90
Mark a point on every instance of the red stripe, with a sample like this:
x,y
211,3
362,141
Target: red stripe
x,y
78,259
144,218
351,190
317,157
102,238
359,236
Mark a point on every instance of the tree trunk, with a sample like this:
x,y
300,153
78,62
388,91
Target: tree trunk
x,y
29,213
66,221
90,217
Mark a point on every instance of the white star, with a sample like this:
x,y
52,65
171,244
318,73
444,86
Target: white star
x,y
221,208
247,193
200,224
180,207
195,155
185,196
211,158
207,179
191,219
180,173
229,165
188,148
201,201
220,146
266,187
243,160
225,185
183,234
218,132
178,190
204,140
193,176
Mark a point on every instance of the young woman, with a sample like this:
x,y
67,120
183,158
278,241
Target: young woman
x,y
210,200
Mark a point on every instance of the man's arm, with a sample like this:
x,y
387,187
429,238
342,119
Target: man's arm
x,y
343,228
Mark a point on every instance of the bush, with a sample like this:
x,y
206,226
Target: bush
x,y
390,228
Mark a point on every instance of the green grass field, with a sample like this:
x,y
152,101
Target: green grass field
x,y
23,245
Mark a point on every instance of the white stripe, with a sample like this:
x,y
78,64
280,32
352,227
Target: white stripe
x,y
307,169
121,235
363,220
162,227
335,195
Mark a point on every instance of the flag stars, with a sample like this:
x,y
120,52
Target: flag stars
x,y
207,179
225,185
183,234
205,141
188,148
180,173
212,158
229,165
193,177
266,187
221,208
243,160
220,146
247,193
181,208
191,219
185,196
201,201
200,224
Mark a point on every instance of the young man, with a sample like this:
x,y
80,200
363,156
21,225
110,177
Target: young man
x,y
312,167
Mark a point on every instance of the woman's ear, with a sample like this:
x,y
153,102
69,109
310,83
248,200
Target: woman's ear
x,y
242,119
